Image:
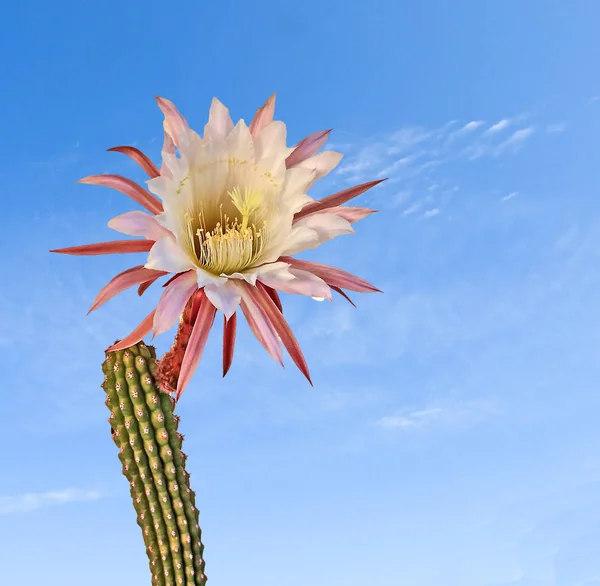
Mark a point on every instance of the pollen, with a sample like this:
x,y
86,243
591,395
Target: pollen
x,y
231,244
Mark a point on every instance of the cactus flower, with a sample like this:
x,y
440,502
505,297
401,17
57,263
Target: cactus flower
x,y
226,212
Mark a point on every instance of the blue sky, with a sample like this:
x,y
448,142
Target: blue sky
x,y
451,437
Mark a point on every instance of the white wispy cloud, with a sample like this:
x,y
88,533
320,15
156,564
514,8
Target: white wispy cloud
x,y
400,197
412,209
463,132
415,151
509,196
416,157
514,141
31,501
407,138
470,126
387,155
450,414
410,419
501,125
396,165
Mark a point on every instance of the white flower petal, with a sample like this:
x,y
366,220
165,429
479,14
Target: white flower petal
x,y
270,141
297,182
240,143
167,220
190,145
299,238
205,278
275,270
219,122
294,203
322,163
166,255
225,298
275,166
324,226
139,224
161,186
301,283
250,275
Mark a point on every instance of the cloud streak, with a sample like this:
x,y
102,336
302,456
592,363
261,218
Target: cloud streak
x,y
415,152
514,141
449,415
499,126
470,126
32,501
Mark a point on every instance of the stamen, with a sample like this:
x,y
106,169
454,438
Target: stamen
x,y
233,244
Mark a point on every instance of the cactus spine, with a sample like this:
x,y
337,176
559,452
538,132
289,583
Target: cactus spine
x,y
144,429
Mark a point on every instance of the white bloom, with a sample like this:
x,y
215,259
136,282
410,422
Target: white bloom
x,y
232,207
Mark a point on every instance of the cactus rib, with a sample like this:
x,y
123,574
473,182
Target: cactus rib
x,y
146,432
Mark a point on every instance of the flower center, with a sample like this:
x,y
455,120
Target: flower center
x,y
233,243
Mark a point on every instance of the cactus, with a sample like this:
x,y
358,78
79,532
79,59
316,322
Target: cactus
x,y
144,429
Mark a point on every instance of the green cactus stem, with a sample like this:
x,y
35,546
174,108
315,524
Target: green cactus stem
x,y
144,429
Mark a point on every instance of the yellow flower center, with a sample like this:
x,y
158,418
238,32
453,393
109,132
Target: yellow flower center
x,y
233,243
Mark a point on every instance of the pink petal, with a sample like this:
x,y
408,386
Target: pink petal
x,y
273,315
275,297
168,149
138,224
336,199
173,300
262,328
167,256
350,214
343,294
128,187
166,284
114,247
123,281
142,288
139,157
307,147
332,276
136,335
263,116
229,330
193,352
175,123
